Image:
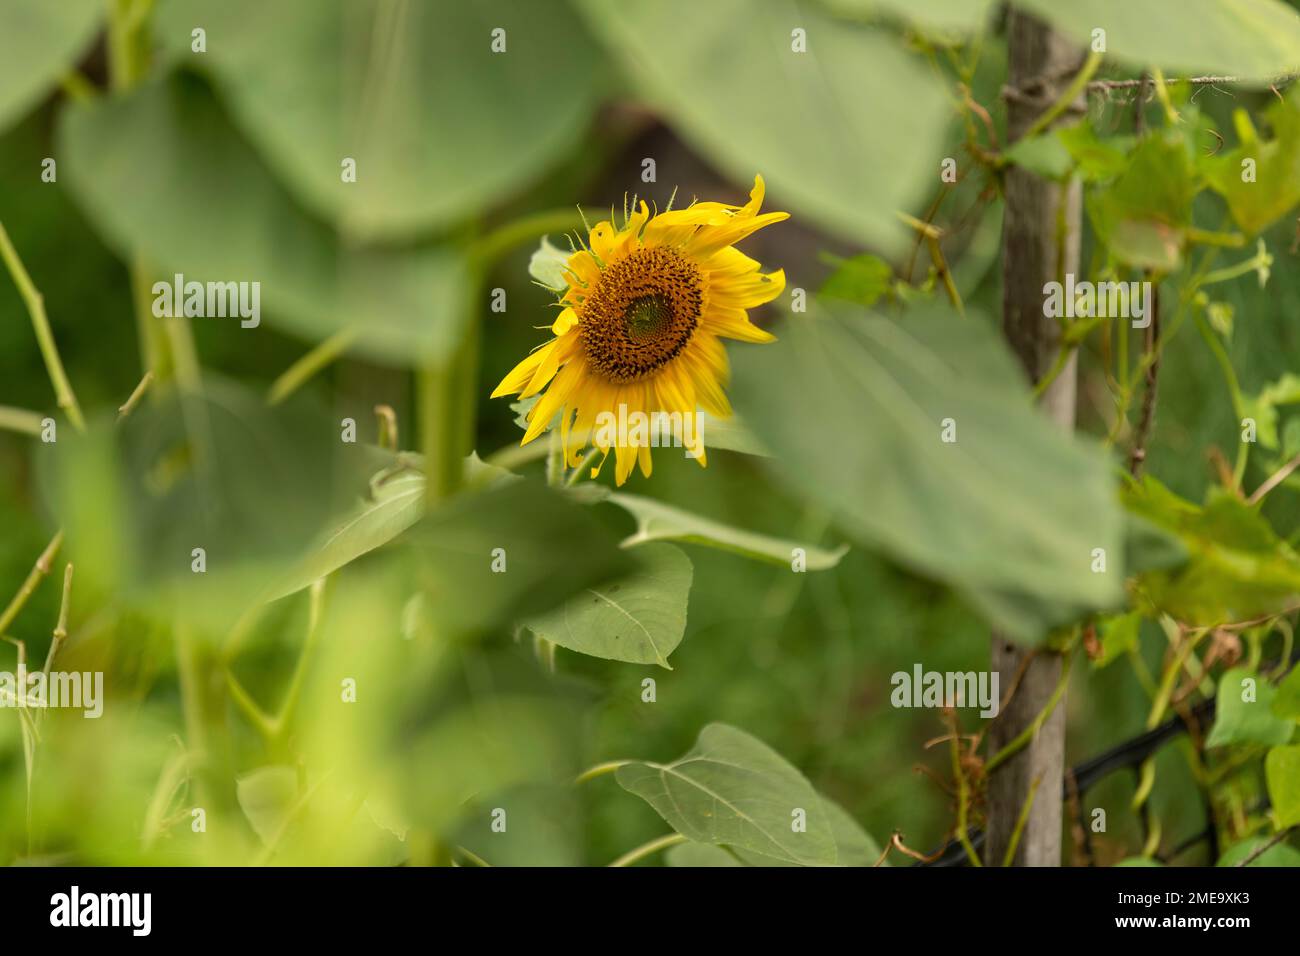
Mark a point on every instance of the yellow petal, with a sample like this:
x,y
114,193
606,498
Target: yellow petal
x,y
566,320
734,324
712,238
745,291
520,375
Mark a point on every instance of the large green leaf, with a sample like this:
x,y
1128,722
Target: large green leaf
x,y
39,40
137,162
509,553
639,619
394,507
1282,772
1242,716
1245,38
853,846
945,16
251,486
440,126
853,406
818,125
1286,702
657,521
395,502
1144,214
692,854
732,789
1280,854
1238,568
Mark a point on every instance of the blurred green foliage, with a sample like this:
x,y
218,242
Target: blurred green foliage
x,y
226,164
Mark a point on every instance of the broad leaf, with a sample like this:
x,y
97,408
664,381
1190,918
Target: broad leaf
x,y
510,552
639,618
266,796
134,160
734,790
816,124
1259,196
39,41
852,844
1016,534
1144,214
1256,39
1119,635
314,81
1280,854
548,265
942,16
692,854
1238,568
1244,712
1286,702
1282,772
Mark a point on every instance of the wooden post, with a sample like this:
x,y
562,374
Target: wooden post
x,y
1040,243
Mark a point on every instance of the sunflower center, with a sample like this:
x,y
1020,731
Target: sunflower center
x,y
642,313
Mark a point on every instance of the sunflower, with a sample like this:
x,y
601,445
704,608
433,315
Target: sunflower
x,y
639,334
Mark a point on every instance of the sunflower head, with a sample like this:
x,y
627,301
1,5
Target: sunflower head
x,y
638,338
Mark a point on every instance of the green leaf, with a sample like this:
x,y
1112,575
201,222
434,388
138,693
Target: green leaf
x,y
1286,702
493,557
941,16
1143,216
862,279
853,846
1263,406
266,796
249,485
1237,568
395,503
1139,861
1255,39
691,854
1119,635
657,521
543,827
1097,159
1282,773
1044,155
1282,854
728,80
639,618
1274,188
1244,712
854,407
39,42
732,789
395,506
132,161
548,264
440,126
